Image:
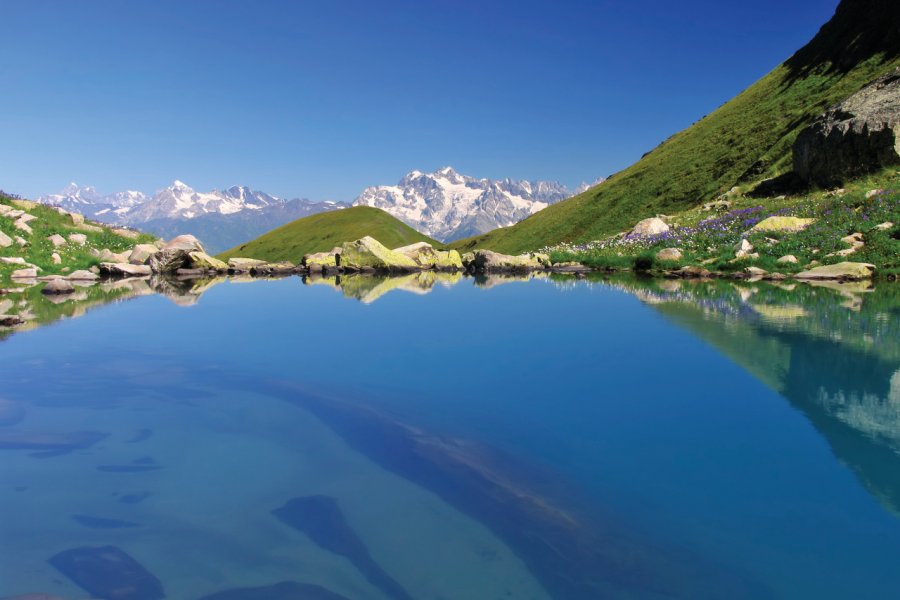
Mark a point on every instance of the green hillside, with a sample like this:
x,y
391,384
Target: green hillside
x,y
324,231
747,140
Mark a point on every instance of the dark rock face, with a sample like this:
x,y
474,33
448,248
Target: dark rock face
x,y
857,136
108,573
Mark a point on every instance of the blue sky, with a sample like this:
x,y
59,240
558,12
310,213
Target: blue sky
x,y
320,99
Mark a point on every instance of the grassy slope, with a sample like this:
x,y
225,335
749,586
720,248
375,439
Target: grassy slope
x,y
322,232
39,248
747,139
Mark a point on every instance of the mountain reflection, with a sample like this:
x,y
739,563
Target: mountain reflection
x,y
833,351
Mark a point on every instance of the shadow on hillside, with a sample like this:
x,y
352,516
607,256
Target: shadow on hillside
x,y
858,31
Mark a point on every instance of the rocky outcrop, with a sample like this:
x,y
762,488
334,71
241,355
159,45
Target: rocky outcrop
x,y
368,254
857,136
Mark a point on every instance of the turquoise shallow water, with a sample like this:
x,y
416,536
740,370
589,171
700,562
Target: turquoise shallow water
x,y
486,439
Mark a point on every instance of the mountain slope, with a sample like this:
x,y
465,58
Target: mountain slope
x,y
744,141
447,205
324,231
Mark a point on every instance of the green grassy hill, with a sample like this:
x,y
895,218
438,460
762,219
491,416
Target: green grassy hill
x,y
747,140
322,232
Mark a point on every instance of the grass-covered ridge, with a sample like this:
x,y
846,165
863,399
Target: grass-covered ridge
x,y
324,231
746,140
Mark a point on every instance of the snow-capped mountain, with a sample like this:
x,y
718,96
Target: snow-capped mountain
x,y
448,206
220,218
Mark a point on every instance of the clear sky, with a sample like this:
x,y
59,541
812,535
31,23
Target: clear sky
x,y
320,99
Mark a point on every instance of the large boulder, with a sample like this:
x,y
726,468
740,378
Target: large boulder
x,y
140,254
176,254
488,261
428,258
843,270
5,240
317,262
369,254
651,226
857,136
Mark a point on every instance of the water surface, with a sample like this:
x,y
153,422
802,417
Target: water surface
x,y
443,437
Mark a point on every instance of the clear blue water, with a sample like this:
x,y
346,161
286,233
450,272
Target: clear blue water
x,y
503,439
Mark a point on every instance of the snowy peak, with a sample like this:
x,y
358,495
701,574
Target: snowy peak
x,y
447,205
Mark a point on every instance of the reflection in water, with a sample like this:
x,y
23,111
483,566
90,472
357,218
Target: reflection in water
x,y
832,350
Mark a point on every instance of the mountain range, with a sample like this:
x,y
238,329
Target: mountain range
x,y
444,205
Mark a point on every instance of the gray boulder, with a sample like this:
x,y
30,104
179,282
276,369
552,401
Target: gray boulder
x,y
176,254
141,254
58,286
857,136
651,226
125,269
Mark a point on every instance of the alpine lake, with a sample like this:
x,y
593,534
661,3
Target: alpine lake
x,y
441,437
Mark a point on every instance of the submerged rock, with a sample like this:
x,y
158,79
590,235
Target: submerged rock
x,y
857,136
320,518
286,590
108,572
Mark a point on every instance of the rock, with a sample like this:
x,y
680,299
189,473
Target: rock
x,y
743,249
843,270
22,226
783,224
56,258
91,228
883,226
27,218
717,205
872,193
107,255
29,273
187,243
128,233
468,260
244,264
651,226
488,261
755,272
124,269
83,276
428,258
692,271
202,260
542,259
857,136
5,240
853,239
13,260
669,254
57,240
368,253
320,261
21,241
276,268
788,259
108,572
141,254
58,287
76,219
11,320
78,238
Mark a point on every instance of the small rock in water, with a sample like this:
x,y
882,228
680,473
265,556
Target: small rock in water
x,y
108,572
286,590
